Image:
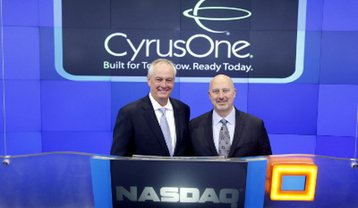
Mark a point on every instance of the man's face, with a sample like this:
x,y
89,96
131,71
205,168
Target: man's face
x,y
222,94
161,82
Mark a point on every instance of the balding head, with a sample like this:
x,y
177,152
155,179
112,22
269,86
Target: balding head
x,y
221,78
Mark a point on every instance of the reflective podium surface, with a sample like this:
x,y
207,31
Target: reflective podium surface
x,y
69,179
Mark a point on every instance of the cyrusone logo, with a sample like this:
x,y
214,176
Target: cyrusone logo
x,y
251,41
194,13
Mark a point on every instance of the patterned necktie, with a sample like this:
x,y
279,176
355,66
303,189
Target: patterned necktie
x,y
224,139
166,131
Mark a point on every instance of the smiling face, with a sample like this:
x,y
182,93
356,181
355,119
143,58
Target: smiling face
x,y
161,81
222,94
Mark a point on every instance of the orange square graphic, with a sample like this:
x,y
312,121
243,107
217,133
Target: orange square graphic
x,y
309,171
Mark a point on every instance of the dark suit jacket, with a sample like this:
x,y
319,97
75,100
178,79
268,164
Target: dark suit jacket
x,y
250,136
137,131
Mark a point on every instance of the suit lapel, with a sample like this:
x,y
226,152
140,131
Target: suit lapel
x,y
239,126
208,129
152,121
178,117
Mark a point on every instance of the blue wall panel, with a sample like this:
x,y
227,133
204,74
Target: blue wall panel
x,y
311,72
75,106
21,12
286,109
338,110
340,15
23,108
293,144
317,114
335,146
314,15
24,143
21,48
339,58
90,142
45,13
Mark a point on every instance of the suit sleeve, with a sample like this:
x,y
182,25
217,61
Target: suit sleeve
x,y
189,148
183,146
265,147
123,143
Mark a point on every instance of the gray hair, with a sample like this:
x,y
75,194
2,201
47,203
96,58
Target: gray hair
x,y
160,60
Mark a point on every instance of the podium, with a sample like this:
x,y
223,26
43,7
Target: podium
x,y
70,179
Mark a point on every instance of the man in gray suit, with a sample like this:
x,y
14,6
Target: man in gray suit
x,y
225,130
139,128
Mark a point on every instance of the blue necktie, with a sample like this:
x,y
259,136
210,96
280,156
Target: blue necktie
x,y
224,139
166,131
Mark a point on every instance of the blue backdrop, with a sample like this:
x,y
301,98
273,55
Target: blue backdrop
x,y
42,111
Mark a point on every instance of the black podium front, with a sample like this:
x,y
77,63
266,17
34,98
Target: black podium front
x,y
186,182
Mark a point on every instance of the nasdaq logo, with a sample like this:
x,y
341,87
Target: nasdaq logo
x,y
178,195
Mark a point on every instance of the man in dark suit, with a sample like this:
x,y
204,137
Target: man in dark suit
x,y
155,124
238,135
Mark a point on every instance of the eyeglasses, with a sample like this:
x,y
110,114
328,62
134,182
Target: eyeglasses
x,y
224,91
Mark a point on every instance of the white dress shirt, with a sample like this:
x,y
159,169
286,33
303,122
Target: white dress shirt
x,y
217,126
170,117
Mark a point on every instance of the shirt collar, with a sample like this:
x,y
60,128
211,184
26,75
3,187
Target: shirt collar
x,y
230,118
157,106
